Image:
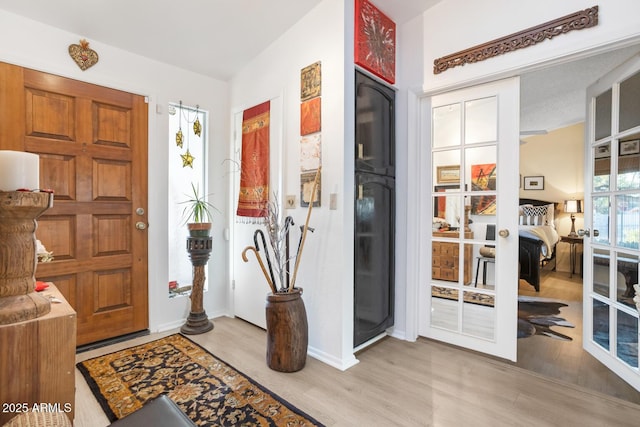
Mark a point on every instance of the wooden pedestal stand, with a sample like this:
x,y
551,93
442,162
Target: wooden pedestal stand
x,y
18,213
199,248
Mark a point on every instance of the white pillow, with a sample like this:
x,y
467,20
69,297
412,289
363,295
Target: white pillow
x,y
534,215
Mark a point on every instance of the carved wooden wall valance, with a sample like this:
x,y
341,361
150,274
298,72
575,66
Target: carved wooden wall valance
x,y
575,21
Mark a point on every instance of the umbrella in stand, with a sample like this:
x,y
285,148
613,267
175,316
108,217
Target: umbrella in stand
x,y
266,252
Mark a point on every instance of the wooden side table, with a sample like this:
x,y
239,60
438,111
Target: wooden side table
x,y
37,366
573,242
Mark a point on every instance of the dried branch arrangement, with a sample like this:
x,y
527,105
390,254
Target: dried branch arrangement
x,y
277,270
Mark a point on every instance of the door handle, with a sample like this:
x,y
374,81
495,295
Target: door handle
x,y
503,233
141,225
587,233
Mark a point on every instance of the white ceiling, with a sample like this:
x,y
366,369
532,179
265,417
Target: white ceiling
x,y
555,97
211,37
218,37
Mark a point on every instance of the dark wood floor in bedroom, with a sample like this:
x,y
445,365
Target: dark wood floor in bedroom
x,y
566,360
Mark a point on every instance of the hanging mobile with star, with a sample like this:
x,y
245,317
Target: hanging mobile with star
x,y
187,158
197,127
179,136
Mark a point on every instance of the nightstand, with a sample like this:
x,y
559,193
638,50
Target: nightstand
x,y
573,242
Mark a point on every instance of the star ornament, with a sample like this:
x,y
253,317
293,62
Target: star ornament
x,y
187,159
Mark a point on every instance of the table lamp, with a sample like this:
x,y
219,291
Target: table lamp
x,y
573,207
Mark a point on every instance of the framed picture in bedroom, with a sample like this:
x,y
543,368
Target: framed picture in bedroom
x,y
629,147
602,151
534,182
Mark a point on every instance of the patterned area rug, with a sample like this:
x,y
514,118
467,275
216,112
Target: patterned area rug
x,y
211,392
536,316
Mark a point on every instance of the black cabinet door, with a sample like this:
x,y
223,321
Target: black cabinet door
x,y
374,256
375,126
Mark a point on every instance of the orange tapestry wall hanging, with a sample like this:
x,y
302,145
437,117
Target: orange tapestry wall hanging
x,y
254,170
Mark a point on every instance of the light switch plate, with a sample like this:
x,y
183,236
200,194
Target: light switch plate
x,y
290,202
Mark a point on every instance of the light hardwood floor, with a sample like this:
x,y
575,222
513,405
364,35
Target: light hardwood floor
x,y
399,383
566,360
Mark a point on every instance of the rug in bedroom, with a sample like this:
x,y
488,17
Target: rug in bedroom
x,y
536,316
207,389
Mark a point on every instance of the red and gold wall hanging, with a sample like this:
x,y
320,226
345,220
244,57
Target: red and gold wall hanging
x,y
253,199
375,41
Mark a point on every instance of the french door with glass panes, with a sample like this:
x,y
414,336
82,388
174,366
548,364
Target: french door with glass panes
x,y
612,220
470,179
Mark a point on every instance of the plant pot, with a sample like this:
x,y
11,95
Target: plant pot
x,y
199,229
287,331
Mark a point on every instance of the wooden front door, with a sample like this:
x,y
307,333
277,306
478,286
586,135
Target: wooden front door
x,y
92,143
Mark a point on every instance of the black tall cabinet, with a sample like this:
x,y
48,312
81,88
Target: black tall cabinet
x,y
374,208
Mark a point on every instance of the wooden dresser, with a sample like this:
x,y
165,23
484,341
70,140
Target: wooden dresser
x,y
445,258
37,364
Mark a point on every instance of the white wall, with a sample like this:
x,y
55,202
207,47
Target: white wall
x,y
326,267
448,31
33,45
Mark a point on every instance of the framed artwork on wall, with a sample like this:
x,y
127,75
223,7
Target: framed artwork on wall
x,y
534,182
310,116
483,178
375,41
448,174
629,147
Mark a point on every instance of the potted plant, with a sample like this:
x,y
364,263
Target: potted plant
x,y
197,213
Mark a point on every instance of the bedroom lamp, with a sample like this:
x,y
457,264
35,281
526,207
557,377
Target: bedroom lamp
x,y
573,207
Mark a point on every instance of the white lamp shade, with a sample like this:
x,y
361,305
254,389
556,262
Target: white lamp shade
x,y
573,206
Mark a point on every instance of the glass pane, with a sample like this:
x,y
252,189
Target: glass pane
x,y
603,115
627,342
630,102
444,308
629,165
602,167
484,265
627,276
478,315
446,167
628,220
481,175
448,211
481,120
601,219
180,178
601,272
601,323
447,124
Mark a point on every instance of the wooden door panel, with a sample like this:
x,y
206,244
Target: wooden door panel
x,y
92,143
112,125
50,115
111,235
112,290
58,172
59,233
111,180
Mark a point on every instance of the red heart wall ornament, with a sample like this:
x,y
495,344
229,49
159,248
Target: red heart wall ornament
x,y
82,55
